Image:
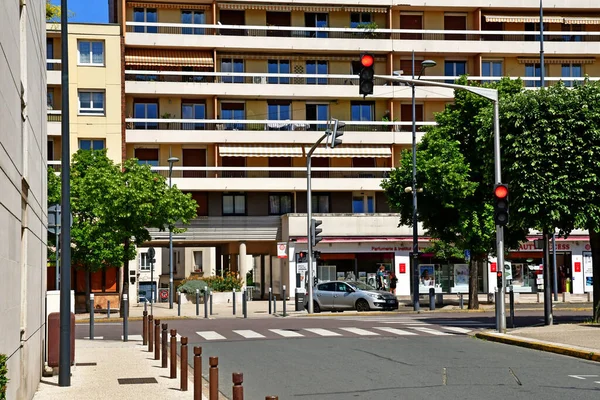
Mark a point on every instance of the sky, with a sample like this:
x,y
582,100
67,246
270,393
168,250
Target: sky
x,y
87,10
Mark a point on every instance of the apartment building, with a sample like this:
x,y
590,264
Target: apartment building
x,y
23,215
238,91
94,119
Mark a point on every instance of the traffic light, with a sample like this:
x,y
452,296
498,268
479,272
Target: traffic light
x,y
338,130
315,230
499,278
501,204
365,84
317,254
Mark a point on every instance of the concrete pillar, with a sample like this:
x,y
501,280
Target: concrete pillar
x,y
243,263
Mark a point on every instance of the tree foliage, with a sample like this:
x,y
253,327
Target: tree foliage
x,y
53,12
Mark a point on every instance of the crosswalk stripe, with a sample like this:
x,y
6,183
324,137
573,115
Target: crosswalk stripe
x,y
286,333
248,334
322,332
457,329
95,337
210,335
178,337
395,331
133,337
431,331
361,332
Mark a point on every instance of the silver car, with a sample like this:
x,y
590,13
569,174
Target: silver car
x,y
351,295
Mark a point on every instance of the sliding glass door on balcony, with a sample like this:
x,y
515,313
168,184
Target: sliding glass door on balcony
x,y
145,111
317,112
318,67
232,65
193,111
275,18
233,111
454,68
278,67
411,21
147,156
194,158
192,17
145,15
316,20
362,110
232,17
279,111
571,71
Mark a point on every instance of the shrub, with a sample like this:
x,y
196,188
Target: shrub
x,y
3,378
189,286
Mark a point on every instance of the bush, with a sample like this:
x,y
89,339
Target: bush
x,y
3,378
224,284
189,286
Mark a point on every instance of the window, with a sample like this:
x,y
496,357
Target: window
x,y
357,19
327,287
316,67
362,110
193,111
50,98
232,65
316,20
233,111
91,144
572,28
320,202
234,204
50,150
279,110
91,103
412,22
320,162
280,204
454,68
363,203
50,53
144,262
147,156
491,68
455,22
279,67
533,70
317,112
145,111
91,52
406,115
238,163
192,17
571,71
145,15
535,27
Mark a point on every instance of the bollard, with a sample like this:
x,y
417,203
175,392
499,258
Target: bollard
x,y
184,364
197,373
270,299
238,390
461,302
511,296
146,305
108,309
206,303
125,318
197,302
150,331
274,304
179,304
145,328
284,300
173,354
91,316
431,299
497,301
211,303
164,346
213,378
233,301
157,339
244,304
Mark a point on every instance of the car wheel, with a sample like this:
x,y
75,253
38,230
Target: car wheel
x,y
362,305
316,307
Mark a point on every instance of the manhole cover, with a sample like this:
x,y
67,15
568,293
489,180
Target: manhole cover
x,y
136,381
88,364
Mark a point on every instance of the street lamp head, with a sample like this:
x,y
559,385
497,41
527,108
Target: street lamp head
x,y
428,63
407,189
172,160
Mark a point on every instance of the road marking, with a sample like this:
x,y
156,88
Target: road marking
x,y
431,331
456,329
210,335
95,337
583,377
248,334
395,331
178,337
404,323
361,332
133,337
286,333
322,332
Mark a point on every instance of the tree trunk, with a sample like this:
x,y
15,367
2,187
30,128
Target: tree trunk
x,y
595,245
473,289
125,278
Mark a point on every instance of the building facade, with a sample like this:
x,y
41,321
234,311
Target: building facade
x,y
238,91
23,215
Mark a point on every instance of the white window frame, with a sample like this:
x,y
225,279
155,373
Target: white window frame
x,y
144,264
91,54
365,196
91,111
571,83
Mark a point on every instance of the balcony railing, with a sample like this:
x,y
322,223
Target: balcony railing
x,y
53,64
355,33
264,125
55,164
272,172
54,115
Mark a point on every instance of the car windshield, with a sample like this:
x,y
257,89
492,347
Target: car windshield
x,y
360,286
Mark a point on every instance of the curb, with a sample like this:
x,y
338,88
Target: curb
x,y
539,345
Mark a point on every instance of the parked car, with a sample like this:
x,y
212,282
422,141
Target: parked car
x,y
350,295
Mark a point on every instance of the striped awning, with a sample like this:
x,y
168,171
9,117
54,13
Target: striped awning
x,y
352,151
169,5
305,8
524,19
259,150
168,58
557,60
582,21
293,57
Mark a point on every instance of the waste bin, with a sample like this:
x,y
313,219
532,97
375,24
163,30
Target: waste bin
x,y
300,297
54,339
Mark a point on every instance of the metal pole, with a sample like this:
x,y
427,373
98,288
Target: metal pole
x,y
197,302
244,304
512,306
91,316
547,289
432,299
206,303
179,304
234,301
284,301
170,249
270,301
57,287
64,361
125,315
415,249
151,288
211,309
554,266
499,229
542,71
108,309
274,304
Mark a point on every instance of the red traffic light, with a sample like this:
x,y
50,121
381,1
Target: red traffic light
x,y
500,191
367,60
499,274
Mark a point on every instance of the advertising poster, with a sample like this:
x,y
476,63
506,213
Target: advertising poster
x,y
517,274
362,276
508,270
461,276
371,279
426,275
587,271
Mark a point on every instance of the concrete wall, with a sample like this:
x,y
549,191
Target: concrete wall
x,y
23,211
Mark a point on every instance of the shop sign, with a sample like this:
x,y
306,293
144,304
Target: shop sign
x,y
282,250
493,267
530,246
577,266
301,267
402,268
394,248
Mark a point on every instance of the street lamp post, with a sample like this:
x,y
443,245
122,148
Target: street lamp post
x,y
171,161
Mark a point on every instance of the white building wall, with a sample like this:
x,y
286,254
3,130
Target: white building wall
x,y
23,208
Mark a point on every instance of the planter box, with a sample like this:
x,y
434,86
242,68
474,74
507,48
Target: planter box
x,y
190,298
218,298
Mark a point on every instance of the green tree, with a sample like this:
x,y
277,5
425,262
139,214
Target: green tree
x,y
455,170
53,12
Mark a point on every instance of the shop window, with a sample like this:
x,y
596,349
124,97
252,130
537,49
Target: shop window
x,y
234,204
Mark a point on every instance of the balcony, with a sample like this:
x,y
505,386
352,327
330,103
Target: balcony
x,y
54,122
53,72
355,40
263,131
279,178
55,164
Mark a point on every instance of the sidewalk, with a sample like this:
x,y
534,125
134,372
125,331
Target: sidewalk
x,y
582,340
100,364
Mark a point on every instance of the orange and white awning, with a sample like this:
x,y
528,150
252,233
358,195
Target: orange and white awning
x,y
516,19
170,58
264,150
352,151
305,8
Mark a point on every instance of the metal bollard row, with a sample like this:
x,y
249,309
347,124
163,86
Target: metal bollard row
x,y
173,371
184,364
238,390
164,346
213,378
198,373
157,339
150,335
145,328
